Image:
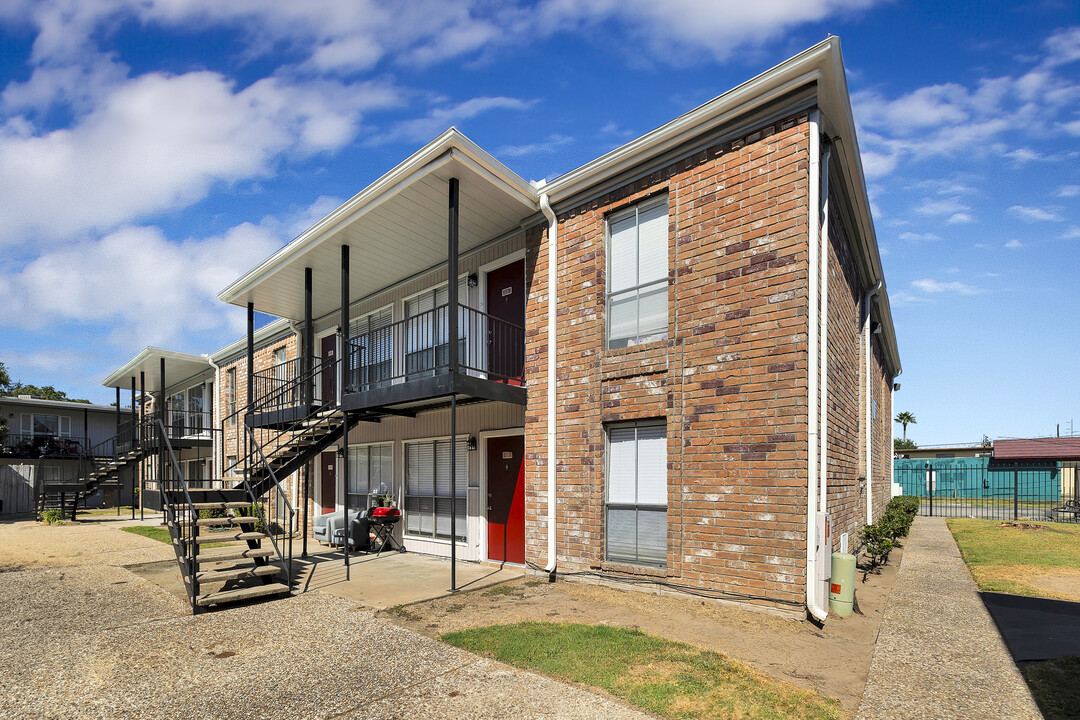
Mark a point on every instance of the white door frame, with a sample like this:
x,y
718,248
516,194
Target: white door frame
x,y
483,436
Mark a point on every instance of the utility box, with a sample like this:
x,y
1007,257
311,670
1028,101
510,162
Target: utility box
x,y
824,546
842,584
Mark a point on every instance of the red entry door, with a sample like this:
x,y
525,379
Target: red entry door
x,y
506,498
328,472
329,373
506,302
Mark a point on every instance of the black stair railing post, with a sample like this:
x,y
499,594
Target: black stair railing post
x,y
144,442
309,343
116,436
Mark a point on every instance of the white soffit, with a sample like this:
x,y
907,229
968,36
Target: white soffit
x,y
178,367
395,228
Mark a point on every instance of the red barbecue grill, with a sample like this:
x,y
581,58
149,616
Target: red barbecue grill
x,y
383,520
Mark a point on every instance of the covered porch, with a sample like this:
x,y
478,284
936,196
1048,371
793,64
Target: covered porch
x,y
411,299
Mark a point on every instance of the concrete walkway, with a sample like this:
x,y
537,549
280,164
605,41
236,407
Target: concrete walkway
x,y
938,654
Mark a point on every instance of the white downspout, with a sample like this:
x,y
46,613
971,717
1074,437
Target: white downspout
x,y
553,299
814,227
823,465
868,339
216,465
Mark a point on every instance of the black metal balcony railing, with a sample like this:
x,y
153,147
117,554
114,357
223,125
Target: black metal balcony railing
x,y
37,445
420,346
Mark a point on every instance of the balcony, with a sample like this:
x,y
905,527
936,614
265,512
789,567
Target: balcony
x,y
409,364
401,368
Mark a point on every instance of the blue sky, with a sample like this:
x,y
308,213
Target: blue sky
x,y
153,150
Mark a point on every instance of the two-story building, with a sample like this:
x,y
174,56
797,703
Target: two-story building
x,y
673,365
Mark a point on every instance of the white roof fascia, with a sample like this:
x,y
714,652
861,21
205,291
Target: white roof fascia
x,y
55,404
267,331
451,145
125,370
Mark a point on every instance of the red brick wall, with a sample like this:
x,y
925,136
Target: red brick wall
x,y
730,379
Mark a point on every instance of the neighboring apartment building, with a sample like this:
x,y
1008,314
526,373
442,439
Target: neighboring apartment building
x,y
49,437
666,365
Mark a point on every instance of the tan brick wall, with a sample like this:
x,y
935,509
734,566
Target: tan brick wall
x,y
730,379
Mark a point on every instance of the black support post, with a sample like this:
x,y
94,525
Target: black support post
x,y
143,440
309,346
250,388
1016,491
116,437
452,337
161,440
343,377
134,448
307,481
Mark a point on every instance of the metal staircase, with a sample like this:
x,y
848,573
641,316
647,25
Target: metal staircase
x,y
101,463
255,529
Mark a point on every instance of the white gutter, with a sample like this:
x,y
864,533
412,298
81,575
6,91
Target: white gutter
x,y
823,466
552,436
815,610
869,402
217,470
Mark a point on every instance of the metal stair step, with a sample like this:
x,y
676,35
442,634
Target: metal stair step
x,y
208,558
220,505
247,593
236,520
209,576
229,538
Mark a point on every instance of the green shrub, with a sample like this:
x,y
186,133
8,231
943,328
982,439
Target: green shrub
x,y
878,540
52,517
208,513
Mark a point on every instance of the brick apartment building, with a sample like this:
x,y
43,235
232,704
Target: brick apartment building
x,y
674,365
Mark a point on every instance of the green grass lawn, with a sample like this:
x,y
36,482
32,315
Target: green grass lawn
x,y
162,535
668,678
1009,559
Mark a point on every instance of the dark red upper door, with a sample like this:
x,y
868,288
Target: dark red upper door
x,y
329,373
328,487
506,498
506,339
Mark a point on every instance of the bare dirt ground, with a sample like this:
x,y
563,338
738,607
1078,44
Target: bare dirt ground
x,y
27,544
833,660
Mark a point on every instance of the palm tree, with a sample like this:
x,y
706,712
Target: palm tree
x,y
905,418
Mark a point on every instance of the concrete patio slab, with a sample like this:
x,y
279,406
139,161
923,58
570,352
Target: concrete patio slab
x,y
391,578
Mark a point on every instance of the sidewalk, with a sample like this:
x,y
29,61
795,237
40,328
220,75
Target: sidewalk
x,y
939,655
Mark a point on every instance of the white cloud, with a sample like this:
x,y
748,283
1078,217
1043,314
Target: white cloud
x,y
1068,191
1034,214
159,142
679,30
931,286
1014,244
550,144
1072,233
438,119
919,237
150,290
946,206
951,118
960,217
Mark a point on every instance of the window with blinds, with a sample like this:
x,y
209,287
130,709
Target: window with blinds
x,y
427,489
39,424
427,346
637,274
373,336
637,493
371,473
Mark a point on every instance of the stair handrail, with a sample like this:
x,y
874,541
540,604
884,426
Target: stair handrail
x,y
321,365
185,544
287,526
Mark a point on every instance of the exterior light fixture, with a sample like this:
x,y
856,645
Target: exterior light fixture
x,y
473,279
470,444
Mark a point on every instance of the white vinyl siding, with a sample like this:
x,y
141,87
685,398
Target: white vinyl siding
x,y
637,274
427,489
637,493
371,473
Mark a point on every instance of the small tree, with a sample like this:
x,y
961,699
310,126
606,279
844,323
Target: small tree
x,y
901,444
905,418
